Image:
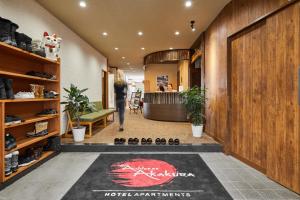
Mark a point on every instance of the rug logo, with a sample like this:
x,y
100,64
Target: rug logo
x,y
145,173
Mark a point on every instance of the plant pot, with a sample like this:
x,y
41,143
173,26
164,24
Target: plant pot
x,y
197,130
79,133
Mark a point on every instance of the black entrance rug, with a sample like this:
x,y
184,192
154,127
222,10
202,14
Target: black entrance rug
x,y
149,177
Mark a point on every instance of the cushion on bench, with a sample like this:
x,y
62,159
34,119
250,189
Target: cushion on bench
x,y
94,116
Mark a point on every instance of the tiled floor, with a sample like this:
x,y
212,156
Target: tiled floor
x,y
244,182
54,178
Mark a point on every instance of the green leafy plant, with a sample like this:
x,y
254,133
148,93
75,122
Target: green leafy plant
x,y
194,101
76,103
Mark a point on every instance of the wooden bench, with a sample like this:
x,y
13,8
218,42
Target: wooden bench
x,y
89,119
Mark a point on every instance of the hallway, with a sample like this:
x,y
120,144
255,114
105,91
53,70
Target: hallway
x,y
137,126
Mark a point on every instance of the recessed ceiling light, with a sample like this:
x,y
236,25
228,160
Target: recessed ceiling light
x,y
193,29
116,48
104,34
128,63
140,33
123,57
188,3
143,48
82,4
177,33
171,48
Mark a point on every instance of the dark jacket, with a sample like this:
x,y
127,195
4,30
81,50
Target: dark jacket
x,y
120,90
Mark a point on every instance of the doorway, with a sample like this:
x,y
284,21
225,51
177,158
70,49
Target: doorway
x,y
104,89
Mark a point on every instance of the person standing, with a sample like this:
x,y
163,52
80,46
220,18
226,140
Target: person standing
x,y
120,86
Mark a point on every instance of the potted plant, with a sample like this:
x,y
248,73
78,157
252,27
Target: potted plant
x,y
194,101
76,104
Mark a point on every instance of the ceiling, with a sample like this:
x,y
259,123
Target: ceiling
x,y
122,19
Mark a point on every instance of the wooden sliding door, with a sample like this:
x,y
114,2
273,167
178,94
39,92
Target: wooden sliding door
x,y
264,96
282,90
248,64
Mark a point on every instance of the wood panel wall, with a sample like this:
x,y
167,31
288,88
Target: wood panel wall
x,y
235,15
281,155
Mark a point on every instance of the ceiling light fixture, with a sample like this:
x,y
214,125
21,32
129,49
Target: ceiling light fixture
x,y
171,48
123,57
128,63
116,48
140,33
143,48
104,34
82,4
193,25
177,33
188,4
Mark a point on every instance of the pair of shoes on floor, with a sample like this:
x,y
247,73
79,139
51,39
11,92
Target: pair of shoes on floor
x,y
11,119
10,142
6,88
145,141
174,141
47,112
8,32
24,95
120,141
11,162
133,141
160,141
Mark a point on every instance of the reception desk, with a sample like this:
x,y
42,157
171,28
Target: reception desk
x,y
164,106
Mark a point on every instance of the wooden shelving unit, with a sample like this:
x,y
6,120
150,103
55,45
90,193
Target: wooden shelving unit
x,y
15,63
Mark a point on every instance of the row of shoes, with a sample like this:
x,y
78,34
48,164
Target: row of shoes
x,y
13,161
41,75
6,89
10,36
144,141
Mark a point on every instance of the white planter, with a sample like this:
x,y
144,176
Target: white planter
x,y
78,134
197,130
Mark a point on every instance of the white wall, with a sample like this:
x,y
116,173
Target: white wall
x,y
80,63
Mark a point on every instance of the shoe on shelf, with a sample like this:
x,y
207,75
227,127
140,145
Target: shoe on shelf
x,y
47,112
15,161
2,89
42,75
37,48
37,152
163,141
157,141
50,95
39,134
176,141
149,141
143,141
24,95
7,161
11,119
26,160
10,142
9,88
8,31
24,42
171,141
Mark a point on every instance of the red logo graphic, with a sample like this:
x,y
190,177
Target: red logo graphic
x,y
143,173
